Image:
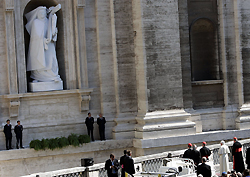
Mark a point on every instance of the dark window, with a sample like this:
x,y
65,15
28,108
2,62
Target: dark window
x,y
204,55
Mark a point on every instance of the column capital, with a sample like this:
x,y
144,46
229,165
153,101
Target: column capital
x,y
9,5
81,3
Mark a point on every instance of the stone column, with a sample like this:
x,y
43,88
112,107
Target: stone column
x,y
80,44
11,58
131,67
222,22
106,58
237,93
10,46
141,66
20,48
159,69
238,49
71,70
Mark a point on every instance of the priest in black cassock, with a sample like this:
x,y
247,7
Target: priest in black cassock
x,y
238,163
188,152
205,152
196,156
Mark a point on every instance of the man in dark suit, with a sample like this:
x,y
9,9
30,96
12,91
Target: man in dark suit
x,y
188,152
122,160
19,134
204,151
101,122
129,164
112,166
204,169
8,134
89,121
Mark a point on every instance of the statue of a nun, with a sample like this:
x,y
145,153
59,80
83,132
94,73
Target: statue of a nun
x,y
42,61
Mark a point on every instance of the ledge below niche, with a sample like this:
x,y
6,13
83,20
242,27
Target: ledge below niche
x,y
15,99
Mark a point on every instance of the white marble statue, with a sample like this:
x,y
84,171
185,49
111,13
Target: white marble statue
x,y
42,61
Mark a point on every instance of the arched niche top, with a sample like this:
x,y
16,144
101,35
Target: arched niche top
x,y
202,25
31,5
204,50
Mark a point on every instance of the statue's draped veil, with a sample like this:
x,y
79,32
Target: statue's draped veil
x,y
31,16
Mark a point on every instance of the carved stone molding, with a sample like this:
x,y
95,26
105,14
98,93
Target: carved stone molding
x,y
14,103
14,108
85,102
80,3
15,99
9,5
84,99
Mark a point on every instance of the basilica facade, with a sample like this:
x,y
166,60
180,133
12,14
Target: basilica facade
x,y
159,71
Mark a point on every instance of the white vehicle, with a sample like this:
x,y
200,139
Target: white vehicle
x,y
172,167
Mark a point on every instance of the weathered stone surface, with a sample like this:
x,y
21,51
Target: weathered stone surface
x,y
162,45
135,55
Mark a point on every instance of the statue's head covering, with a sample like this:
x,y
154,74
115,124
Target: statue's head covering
x,y
31,16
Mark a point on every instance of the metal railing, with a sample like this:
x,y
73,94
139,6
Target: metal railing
x,y
149,163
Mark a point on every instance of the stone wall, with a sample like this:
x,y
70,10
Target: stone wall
x,y
207,96
92,59
162,45
245,20
3,61
233,53
27,161
135,56
185,54
125,56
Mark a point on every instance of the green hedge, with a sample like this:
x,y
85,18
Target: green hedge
x,y
58,143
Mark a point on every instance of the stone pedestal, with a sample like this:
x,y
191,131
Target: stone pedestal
x,y
125,127
243,120
45,86
162,124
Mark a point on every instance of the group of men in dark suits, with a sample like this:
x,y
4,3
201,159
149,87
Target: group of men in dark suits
x,y
101,121
126,164
18,129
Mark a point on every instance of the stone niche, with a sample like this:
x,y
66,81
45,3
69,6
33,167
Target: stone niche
x,y
60,47
71,56
70,45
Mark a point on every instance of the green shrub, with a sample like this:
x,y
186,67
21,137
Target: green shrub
x,y
53,143
83,139
63,142
36,144
73,140
45,143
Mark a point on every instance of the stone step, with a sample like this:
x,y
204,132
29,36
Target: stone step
x,y
167,126
167,116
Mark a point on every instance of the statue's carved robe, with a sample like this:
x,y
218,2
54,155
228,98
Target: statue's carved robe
x,y
42,61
